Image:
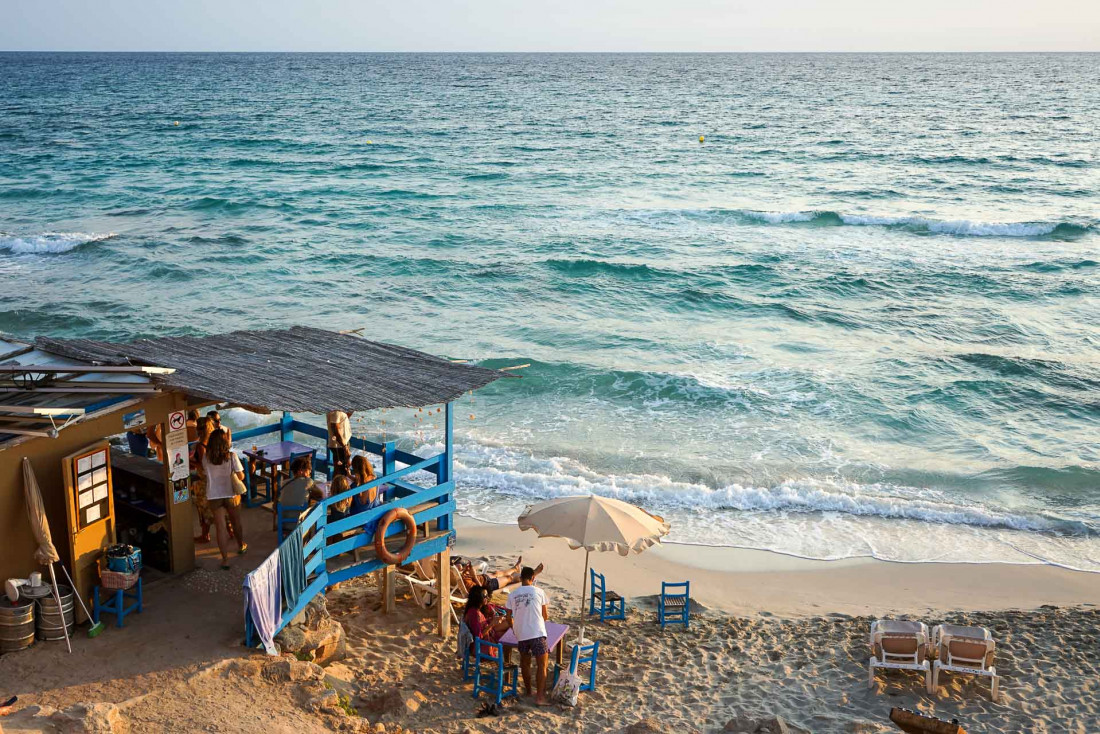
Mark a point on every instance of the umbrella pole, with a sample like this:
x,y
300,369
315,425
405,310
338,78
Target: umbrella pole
x,y
584,590
60,611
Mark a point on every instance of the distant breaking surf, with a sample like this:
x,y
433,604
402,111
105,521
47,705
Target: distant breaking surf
x,y
48,242
959,227
910,223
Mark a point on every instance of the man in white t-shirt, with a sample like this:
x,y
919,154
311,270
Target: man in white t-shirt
x,y
339,440
527,608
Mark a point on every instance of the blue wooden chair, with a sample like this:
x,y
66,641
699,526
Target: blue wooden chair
x,y
468,653
289,517
259,488
322,462
674,605
607,604
491,674
582,655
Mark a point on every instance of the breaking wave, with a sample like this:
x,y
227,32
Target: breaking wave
x,y
48,242
798,496
957,227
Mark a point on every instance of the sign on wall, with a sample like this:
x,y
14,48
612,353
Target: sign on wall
x,y
177,421
133,420
175,447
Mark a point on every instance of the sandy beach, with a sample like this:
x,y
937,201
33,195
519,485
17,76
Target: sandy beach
x,y
773,637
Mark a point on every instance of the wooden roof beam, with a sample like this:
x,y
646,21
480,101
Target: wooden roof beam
x,y
58,369
34,410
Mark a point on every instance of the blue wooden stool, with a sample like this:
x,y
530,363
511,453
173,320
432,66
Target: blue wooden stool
x,y
117,603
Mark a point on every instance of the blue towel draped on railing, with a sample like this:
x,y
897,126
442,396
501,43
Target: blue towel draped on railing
x,y
292,567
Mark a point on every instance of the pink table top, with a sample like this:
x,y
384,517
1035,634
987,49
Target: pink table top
x,y
555,633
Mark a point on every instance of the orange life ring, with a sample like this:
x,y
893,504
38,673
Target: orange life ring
x,y
380,549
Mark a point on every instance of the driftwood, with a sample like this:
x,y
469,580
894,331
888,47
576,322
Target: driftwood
x,y
297,369
914,723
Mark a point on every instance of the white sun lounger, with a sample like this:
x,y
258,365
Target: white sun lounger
x,y
899,645
964,650
424,587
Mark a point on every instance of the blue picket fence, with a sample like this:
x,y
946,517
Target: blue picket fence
x,y
324,541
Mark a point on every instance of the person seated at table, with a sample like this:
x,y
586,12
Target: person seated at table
x,y
362,473
340,509
493,580
483,618
299,491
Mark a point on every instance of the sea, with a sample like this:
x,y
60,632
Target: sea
x,y
832,306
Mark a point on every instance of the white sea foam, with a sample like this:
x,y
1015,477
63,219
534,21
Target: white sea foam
x,y
803,495
48,242
240,419
958,227
962,227
780,217
817,518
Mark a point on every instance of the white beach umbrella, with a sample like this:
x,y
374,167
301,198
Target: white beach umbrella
x,y
596,524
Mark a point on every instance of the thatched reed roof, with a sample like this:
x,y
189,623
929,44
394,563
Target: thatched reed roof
x,y
297,369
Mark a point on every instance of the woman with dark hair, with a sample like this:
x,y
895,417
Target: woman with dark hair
x,y
482,618
219,466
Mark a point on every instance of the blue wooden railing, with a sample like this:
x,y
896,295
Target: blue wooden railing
x,y
322,540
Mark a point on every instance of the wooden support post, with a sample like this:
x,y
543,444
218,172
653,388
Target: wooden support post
x,y
446,468
388,605
389,458
443,580
286,429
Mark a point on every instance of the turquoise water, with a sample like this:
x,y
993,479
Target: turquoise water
x,y
859,319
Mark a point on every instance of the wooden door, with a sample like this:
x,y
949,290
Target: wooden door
x,y
91,511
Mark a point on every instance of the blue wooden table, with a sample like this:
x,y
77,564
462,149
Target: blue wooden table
x,y
270,458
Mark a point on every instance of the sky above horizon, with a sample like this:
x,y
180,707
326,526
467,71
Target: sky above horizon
x,y
566,25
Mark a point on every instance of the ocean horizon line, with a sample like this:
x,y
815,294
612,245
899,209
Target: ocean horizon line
x,y
459,52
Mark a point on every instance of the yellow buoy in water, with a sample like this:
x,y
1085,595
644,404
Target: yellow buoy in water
x,y
177,123
701,138
369,142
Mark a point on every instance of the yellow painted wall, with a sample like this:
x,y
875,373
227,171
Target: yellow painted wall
x,y
47,454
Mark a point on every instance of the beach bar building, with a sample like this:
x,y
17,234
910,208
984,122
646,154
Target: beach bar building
x,y
61,400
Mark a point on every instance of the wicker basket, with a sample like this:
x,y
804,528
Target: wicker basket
x,y
117,579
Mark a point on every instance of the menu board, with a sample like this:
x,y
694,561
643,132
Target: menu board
x,y
92,488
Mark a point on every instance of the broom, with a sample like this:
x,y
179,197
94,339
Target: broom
x,y
96,627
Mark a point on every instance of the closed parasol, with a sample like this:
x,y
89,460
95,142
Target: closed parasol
x,y
45,553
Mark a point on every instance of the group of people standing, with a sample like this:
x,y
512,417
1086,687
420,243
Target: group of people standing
x,y
214,492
